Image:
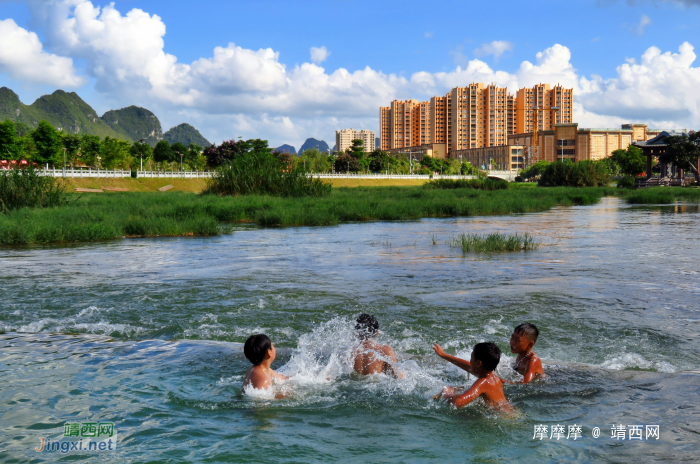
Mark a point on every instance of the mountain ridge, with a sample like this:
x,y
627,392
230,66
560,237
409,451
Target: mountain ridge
x,y
68,112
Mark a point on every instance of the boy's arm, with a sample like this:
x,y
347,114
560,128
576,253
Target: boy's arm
x,y
278,376
533,368
467,397
461,363
388,368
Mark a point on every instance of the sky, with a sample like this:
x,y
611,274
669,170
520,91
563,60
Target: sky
x,y
285,70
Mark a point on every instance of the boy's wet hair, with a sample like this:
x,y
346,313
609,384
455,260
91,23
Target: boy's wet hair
x,y
256,347
489,354
529,330
366,326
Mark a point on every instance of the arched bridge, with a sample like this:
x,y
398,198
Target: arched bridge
x,y
505,175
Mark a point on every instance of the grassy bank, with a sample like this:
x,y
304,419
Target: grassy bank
x,y
93,217
104,216
137,185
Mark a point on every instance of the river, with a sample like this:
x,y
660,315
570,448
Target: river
x,y
141,332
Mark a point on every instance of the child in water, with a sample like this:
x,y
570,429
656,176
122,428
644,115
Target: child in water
x,y
260,352
521,343
484,360
367,356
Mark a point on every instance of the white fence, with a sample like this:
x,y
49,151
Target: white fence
x,y
117,173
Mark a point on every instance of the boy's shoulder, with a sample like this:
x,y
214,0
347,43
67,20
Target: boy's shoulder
x,y
258,377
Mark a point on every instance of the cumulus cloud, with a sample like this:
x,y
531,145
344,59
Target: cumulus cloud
x,y
238,91
495,48
23,58
319,54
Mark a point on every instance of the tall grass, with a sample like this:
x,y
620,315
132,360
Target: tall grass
x,y
663,195
96,217
478,184
263,174
493,243
21,188
584,173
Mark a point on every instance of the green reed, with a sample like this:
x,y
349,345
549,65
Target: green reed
x,y
494,243
25,188
105,216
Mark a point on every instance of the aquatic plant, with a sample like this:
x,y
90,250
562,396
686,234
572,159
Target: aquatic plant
x,y
584,173
478,184
24,187
493,243
263,174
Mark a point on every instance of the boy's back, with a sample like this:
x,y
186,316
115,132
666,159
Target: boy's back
x,y
369,358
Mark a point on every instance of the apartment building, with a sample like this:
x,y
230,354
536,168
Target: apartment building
x,y
474,116
554,105
344,138
568,141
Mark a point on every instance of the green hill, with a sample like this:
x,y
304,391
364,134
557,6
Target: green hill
x,y
68,112
185,134
135,123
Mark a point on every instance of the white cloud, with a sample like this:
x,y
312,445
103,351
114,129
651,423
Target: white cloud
x,y
495,48
428,35
238,91
643,22
319,55
23,58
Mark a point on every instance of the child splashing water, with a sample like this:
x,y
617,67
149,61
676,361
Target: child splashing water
x,y
261,353
367,356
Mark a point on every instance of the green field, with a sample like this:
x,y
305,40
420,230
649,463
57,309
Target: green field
x,y
106,216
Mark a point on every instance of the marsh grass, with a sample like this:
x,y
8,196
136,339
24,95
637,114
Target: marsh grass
x,y
24,188
105,216
477,184
494,243
663,195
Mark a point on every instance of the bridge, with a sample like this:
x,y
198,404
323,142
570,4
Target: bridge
x,y
505,175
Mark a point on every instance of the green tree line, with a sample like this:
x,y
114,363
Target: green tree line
x,y
47,146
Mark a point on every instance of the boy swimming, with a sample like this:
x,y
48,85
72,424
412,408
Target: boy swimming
x,y
367,356
261,352
484,360
521,343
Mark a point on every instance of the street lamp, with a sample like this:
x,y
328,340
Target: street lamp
x,y
562,150
140,142
181,158
64,162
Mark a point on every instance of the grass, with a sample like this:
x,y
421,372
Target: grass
x,y
496,242
478,184
24,188
105,216
663,195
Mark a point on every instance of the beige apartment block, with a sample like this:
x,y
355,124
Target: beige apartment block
x,y
474,116
344,138
505,157
568,141
553,105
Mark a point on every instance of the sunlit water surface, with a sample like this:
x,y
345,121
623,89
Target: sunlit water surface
x,y
139,332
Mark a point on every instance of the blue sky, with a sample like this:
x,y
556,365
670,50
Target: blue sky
x,y
629,61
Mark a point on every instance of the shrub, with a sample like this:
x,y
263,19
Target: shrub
x,y
626,182
580,174
478,184
263,174
24,187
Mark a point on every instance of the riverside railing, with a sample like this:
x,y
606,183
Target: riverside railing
x,y
119,173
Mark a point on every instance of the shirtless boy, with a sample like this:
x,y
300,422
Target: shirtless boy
x,y
369,357
521,343
483,363
261,352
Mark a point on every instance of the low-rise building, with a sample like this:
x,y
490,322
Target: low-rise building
x,y
504,157
434,150
568,141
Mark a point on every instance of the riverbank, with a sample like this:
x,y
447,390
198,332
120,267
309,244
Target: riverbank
x,y
96,217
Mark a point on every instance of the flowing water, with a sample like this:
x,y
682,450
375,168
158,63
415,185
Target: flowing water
x,y
146,334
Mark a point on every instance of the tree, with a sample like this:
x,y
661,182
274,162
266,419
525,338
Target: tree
x,y
179,149
140,151
48,143
10,143
162,152
231,149
630,161
115,153
90,146
379,161
193,153
357,151
71,142
313,160
346,162
683,151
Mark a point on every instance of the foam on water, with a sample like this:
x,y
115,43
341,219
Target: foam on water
x,y
636,361
88,320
